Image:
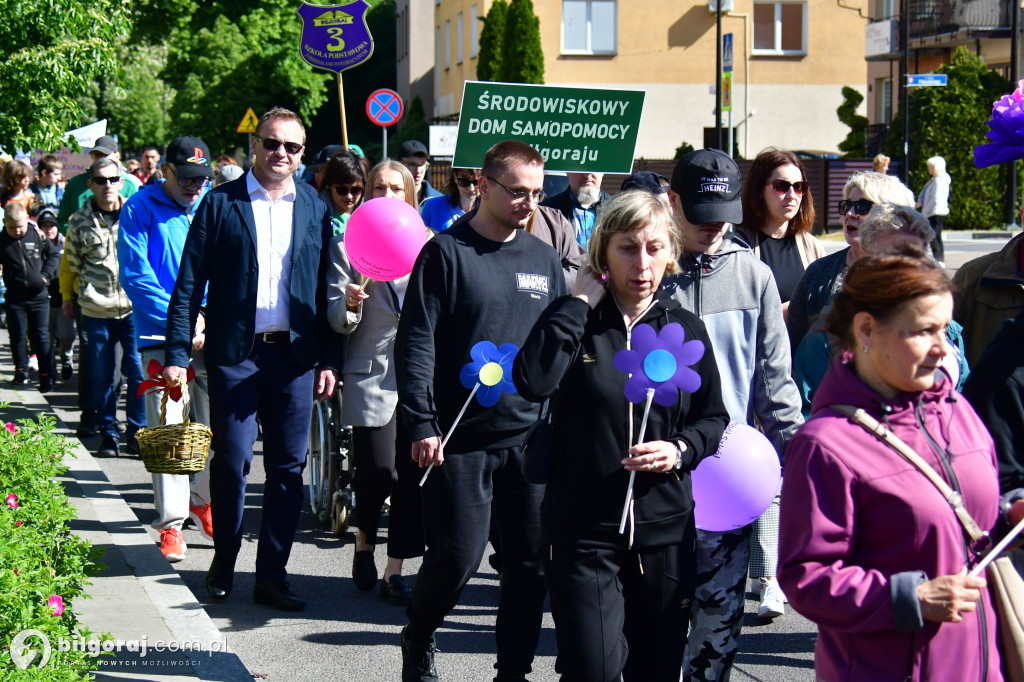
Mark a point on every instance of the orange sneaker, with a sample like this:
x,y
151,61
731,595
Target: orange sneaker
x,y
203,518
172,545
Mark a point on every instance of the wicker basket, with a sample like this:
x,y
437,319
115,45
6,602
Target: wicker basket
x,y
175,448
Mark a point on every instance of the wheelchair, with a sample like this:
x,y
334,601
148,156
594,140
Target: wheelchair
x,y
329,465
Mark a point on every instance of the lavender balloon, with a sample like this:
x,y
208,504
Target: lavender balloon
x,y
735,485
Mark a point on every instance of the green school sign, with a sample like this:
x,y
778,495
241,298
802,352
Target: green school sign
x,y
574,129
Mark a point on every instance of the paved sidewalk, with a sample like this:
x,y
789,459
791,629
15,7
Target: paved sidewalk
x,y
138,598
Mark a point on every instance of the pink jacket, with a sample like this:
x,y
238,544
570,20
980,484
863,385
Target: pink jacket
x,y
855,514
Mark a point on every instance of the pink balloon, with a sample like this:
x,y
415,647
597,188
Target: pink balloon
x,y
735,485
383,238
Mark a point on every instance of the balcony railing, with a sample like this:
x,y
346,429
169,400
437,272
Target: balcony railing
x,y
939,22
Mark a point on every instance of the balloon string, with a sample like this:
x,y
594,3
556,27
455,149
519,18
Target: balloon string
x,y
451,430
632,474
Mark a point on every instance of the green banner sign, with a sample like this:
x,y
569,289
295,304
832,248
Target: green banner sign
x,y
574,129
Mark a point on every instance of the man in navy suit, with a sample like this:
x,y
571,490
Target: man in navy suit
x,y
260,244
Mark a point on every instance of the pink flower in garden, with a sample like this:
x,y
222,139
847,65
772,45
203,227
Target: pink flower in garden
x,y
56,603
17,572
18,523
12,501
11,427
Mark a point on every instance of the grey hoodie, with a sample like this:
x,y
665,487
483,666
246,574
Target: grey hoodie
x,y
734,294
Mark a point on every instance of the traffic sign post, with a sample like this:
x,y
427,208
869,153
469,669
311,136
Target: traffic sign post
x,y
248,125
727,52
727,87
384,108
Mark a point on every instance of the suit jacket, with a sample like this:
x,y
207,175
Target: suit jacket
x,y
220,257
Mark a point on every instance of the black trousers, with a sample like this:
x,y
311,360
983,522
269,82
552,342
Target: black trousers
x,y
30,319
456,510
937,222
384,467
621,612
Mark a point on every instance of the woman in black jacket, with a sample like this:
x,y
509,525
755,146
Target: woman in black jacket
x,y
621,601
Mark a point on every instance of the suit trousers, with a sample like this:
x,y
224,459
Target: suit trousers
x,y
456,518
620,612
272,385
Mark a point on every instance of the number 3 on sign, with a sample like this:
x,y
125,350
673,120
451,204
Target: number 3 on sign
x,y
338,44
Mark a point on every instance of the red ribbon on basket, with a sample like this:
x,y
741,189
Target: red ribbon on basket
x,y
157,382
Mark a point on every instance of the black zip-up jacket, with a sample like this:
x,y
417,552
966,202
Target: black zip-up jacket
x,y
30,264
595,425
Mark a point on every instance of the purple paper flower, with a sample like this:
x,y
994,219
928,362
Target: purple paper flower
x,y
1007,131
492,369
660,361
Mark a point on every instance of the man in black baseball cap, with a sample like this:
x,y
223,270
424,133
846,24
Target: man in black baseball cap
x,y
648,181
735,296
413,155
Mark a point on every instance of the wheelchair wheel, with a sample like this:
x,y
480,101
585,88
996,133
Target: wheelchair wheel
x,y
339,517
317,459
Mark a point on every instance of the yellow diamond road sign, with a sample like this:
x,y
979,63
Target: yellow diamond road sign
x,y
249,121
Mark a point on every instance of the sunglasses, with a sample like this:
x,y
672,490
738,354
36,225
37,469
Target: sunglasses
x,y
100,180
782,186
347,190
861,207
466,182
272,145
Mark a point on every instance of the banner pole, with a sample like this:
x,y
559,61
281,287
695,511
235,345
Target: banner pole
x,y
341,106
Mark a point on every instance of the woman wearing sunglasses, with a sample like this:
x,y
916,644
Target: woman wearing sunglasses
x,y
344,183
824,277
778,214
459,198
367,313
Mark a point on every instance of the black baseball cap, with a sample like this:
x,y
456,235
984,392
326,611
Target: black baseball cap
x,y
190,156
709,186
47,215
105,145
412,148
325,155
645,180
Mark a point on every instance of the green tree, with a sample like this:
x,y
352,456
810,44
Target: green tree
x,y
488,63
949,122
854,144
136,105
49,57
682,150
522,58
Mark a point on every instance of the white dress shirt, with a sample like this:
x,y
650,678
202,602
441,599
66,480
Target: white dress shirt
x,y
273,254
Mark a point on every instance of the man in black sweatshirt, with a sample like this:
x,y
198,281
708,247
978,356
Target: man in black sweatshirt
x,y
486,279
29,264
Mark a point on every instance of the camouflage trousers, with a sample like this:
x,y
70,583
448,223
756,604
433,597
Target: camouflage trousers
x,y
717,613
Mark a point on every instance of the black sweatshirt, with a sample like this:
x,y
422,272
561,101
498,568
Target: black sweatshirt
x,y
30,263
595,425
465,289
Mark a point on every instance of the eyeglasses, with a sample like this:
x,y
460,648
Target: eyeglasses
x,y
272,145
199,181
782,186
100,180
466,182
520,194
347,190
861,207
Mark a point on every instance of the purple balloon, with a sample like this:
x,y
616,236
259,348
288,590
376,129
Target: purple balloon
x,y
735,485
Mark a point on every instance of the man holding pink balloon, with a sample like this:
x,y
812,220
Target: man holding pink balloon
x,y
735,296
475,292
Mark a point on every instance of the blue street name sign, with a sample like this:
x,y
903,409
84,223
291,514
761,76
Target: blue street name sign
x,y
926,79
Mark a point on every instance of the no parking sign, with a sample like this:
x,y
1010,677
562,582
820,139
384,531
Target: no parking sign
x,y
385,108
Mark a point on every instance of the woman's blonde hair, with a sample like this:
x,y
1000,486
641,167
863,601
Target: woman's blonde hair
x,y
879,188
626,212
391,164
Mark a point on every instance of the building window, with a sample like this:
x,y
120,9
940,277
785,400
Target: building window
x,y
885,9
447,44
780,28
474,33
458,39
883,100
589,27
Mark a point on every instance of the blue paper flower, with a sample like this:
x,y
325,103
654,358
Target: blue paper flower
x,y
1007,131
492,369
660,361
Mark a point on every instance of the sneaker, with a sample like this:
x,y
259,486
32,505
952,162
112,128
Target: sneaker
x,y
45,383
33,363
418,660
757,586
66,371
203,518
19,378
773,601
172,545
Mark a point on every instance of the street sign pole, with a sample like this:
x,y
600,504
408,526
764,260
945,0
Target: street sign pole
x,y
718,74
384,144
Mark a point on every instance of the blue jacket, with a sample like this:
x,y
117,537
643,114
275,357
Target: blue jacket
x,y
221,251
149,248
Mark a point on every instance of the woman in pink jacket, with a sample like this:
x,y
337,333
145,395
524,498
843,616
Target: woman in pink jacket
x,y
870,550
